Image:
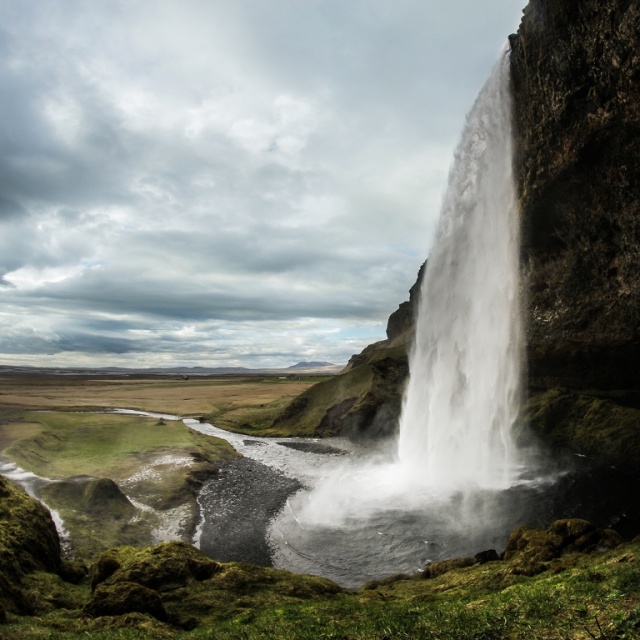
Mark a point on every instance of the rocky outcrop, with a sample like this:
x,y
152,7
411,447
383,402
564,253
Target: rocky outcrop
x,y
576,72
365,399
99,496
531,550
576,68
175,582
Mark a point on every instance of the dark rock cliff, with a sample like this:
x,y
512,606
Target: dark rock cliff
x,y
575,75
575,69
576,72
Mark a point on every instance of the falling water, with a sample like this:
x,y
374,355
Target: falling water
x,y
463,397
456,483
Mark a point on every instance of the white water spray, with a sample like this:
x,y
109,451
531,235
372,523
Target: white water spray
x,y
463,397
445,492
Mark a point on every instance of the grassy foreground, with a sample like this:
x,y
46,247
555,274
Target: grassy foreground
x,y
579,596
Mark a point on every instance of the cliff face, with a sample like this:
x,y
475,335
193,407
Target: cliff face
x,y
576,83
576,72
28,543
575,69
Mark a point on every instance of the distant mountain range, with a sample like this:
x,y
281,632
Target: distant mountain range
x,y
312,365
301,367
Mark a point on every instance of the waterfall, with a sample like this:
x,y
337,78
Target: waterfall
x,y
458,482
463,397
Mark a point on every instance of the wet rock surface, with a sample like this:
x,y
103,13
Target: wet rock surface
x,y
575,69
313,447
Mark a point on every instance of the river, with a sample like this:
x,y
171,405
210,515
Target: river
x,y
332,508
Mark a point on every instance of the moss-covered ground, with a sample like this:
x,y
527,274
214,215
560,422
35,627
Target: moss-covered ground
x,y
106,445
578,597
252,409
305,414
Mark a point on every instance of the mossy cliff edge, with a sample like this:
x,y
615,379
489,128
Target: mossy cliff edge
x,y
575,74
364,401
28,542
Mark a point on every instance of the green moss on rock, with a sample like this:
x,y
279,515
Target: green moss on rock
x,y
190,587
163,567
603,425
125,597
435,569
530,550
363,402
28,542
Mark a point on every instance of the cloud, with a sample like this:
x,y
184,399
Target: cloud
x,y
224,181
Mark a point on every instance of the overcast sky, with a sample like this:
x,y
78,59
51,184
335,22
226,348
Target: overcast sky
x,y
224,182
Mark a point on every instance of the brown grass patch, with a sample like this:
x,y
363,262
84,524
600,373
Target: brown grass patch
x,y
210,396
14,431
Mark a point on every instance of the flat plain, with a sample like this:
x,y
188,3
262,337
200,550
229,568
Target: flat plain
x,y
61,427
247,403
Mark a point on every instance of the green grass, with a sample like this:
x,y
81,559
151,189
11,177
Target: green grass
x,y
258,419
304,415
117,447
242,403
105,445
581,597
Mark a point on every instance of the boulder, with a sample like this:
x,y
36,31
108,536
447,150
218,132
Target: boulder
x,y
440,567
162,568
125,597
530,550
490,555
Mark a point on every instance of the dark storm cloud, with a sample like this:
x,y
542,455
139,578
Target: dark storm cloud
x,y
219,181
10,209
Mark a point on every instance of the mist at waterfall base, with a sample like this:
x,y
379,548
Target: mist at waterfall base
x,y
457,480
